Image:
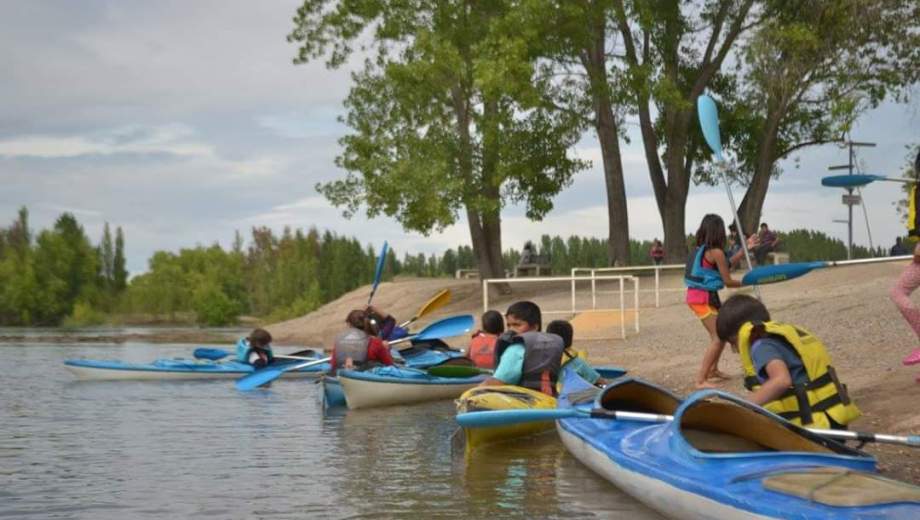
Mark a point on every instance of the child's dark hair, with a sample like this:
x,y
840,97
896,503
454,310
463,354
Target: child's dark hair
x,y
259,338
492,322
736,311
563,329
361,319
527,312
711,232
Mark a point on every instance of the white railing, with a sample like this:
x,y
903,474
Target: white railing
x,y
592,275
622,279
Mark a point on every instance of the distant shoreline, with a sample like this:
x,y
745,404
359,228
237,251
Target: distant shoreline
x,y
165,336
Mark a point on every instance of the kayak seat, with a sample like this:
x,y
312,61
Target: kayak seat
x,y
724,426
634,395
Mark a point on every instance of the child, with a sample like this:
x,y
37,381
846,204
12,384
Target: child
x,y
256,349
788,369
707,271
358,347
572,357
385,324
524,355
482,347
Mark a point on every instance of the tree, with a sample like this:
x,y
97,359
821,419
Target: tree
x,y
673,51
107,259
448,116
809,71
119,263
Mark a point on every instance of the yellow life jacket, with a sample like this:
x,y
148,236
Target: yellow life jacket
x,y
809,404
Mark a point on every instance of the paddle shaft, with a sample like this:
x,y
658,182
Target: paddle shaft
x,y
495,418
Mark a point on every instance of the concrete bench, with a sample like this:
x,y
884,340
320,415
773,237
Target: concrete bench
x,y
463,274
778,258
523,270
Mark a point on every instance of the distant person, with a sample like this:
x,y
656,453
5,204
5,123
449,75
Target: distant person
x,y
482,346
766,242
788,370
528,254
358,347
706,272
256,349
525,356
898,248
656,252
574,359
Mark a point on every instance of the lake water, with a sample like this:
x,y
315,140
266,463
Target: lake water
x,y
125,449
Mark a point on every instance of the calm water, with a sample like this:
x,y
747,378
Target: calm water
x,y
126,449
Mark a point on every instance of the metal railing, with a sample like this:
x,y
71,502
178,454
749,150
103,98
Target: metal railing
x,y
592,275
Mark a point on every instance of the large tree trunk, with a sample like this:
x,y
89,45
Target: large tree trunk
x,y
752,205
594,61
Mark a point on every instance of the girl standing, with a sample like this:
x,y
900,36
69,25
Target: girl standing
x,y
707,271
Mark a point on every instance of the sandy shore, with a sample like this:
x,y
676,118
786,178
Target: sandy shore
x,y
847,307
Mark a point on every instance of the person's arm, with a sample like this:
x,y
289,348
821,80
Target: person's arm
x,y
378,350
917,253
510,367
717,256
778,381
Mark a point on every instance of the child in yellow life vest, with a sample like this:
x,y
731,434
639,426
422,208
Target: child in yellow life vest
x,y
573,358
788,370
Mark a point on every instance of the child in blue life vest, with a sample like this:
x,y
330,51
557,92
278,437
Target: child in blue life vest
x,y
571,357
788,370
256,349
524,355
706,272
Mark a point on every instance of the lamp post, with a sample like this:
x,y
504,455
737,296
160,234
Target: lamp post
x,y
849,199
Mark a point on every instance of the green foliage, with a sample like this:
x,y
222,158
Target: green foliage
x,y
84,315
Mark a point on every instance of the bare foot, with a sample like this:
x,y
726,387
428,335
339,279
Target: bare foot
x,y
717,374
705,385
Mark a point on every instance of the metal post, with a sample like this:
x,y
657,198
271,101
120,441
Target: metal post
x,y
593,291
636,300
731,200
657,290
622,310
849,167
573,292
485,295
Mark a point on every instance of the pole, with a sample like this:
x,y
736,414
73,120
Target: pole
x,y
731,200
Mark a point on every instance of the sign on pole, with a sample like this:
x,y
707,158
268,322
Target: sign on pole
x,y
852,200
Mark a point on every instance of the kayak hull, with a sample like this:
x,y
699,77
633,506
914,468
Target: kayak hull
x,y
508,397
715,459
333,395
171,369
371,389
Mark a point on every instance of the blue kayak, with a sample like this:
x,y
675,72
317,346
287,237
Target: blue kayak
x,y
333,395
722,457
177,368
386,386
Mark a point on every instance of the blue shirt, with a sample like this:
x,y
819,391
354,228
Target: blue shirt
x,y
583,369
511,365
765,350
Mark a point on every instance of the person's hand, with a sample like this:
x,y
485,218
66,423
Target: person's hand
x,y
349,363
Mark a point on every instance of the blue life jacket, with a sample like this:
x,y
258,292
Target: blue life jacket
x,y
698,277
242,350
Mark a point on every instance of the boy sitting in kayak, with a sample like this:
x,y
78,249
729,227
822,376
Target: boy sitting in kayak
x,y
525,356
256,349
572,358
788,370
482,346
359,347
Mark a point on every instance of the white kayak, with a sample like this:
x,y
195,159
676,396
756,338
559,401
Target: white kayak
x,y
387,386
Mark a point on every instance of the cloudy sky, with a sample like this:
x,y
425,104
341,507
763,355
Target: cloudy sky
x,y
184,121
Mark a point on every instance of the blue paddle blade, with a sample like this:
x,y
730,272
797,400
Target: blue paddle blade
x,y
259,378
709,123
380,261
210,353
848,181
446,328
509,417
779,273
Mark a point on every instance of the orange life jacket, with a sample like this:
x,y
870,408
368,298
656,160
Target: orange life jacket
x,y
482,349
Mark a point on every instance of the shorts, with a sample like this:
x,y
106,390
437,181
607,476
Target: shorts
x,y
703,310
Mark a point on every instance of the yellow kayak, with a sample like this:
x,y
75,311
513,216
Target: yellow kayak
x,y
508,397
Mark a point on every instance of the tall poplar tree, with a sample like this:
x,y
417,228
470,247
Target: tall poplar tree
x,y
119,263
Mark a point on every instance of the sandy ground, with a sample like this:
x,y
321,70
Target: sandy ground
x,y
847,307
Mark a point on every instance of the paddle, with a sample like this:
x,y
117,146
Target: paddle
x,y
782,272
438,300
509,417
445,328
270,373
708,115
858,180
378,272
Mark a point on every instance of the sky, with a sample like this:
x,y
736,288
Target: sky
x,y
182,122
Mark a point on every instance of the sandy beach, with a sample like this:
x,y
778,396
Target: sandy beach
x,y
847,307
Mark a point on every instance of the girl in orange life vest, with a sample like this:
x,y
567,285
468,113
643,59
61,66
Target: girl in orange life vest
x,y
708,271
482,347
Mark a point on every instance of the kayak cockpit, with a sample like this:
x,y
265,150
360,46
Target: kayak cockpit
x,y
635,395
717,422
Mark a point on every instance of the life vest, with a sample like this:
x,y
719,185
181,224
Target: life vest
x,y
542,361
913,217
351,344
810,404
482,349
245,354
698,277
